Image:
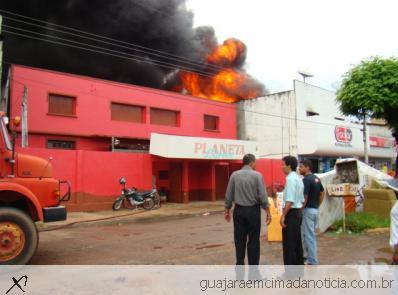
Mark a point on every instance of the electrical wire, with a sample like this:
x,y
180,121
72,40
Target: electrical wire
x,y
106,53
114,52
133,46
208,66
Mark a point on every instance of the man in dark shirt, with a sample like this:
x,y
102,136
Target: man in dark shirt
x,y
246,190
313,195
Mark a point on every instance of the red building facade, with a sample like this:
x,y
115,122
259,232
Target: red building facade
x,y
97,131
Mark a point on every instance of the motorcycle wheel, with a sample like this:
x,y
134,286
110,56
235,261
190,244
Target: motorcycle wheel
x,y
148,204
117,204
156,199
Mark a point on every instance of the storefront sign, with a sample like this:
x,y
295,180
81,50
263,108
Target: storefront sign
x,y
380,142
219,149
184,147
343,136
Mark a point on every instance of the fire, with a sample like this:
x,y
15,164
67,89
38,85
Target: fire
x,y
226,83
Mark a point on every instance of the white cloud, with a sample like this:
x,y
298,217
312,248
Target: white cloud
x,y
282,36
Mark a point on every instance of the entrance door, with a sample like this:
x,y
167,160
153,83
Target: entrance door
x,y
175,178
222,175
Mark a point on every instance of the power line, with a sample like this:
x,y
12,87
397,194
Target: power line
x,y
210,66
119,53
134,46
173,67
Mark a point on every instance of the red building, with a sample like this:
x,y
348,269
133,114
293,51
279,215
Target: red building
x,y
96,131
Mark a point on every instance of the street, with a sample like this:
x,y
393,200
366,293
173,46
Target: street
x,y
203,239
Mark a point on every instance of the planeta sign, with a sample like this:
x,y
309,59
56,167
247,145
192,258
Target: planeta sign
x,y
220,149
185,147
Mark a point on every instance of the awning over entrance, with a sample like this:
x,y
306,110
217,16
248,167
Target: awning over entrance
x,y
185,147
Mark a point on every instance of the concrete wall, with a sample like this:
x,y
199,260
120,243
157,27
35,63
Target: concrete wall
x,y
269,120
316,134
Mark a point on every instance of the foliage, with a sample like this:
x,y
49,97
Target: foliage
x,y
371,88
360,221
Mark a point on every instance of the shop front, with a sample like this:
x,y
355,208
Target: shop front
x,y
324,144
195,168
335,142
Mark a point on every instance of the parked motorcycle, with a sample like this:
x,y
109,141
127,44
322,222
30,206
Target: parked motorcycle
x,y
131,198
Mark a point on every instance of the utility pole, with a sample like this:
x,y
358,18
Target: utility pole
x,y
365,139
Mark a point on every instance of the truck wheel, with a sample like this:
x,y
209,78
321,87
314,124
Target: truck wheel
x,y
18,236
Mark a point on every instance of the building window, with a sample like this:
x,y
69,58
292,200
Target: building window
x,y
165,117
61,105
139,145
211,123
128,113
61,144
311,113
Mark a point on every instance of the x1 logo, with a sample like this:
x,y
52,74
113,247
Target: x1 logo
x,y
16,283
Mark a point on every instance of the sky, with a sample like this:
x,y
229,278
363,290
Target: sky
x,y
324,37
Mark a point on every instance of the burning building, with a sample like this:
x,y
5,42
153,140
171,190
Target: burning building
x,y
228,81
131,41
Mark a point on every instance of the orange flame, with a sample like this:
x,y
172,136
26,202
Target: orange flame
x,y
228,84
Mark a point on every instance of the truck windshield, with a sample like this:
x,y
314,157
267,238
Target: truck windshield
x,y
4,131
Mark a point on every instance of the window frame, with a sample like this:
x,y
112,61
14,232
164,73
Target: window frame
x,y
74,97
143,111
217,123
61,140
178,116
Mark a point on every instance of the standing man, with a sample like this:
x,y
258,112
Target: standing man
x,y
291,218
313,196
246,190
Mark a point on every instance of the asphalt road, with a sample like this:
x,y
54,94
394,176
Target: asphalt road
x,y
188,240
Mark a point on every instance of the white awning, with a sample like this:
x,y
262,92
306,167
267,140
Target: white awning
x,y
185,147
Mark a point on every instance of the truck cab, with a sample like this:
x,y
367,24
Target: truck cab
x,y
28,194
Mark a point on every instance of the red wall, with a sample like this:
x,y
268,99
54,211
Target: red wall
x,y
94,176
271,170
93,115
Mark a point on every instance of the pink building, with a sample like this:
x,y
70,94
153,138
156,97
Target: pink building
x,y
97,131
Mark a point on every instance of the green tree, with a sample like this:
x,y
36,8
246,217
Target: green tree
x,y
371,88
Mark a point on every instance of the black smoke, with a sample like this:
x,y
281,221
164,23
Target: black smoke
x,y
162,25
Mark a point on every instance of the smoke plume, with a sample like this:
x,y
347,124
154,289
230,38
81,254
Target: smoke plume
x,y
161,25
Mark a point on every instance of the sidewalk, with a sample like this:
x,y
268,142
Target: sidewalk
x,y
167,211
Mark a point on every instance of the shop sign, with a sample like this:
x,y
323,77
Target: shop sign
x,y
186,147
343,136
219,150
380,142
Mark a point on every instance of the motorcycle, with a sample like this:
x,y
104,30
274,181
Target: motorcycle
x,y
132,198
